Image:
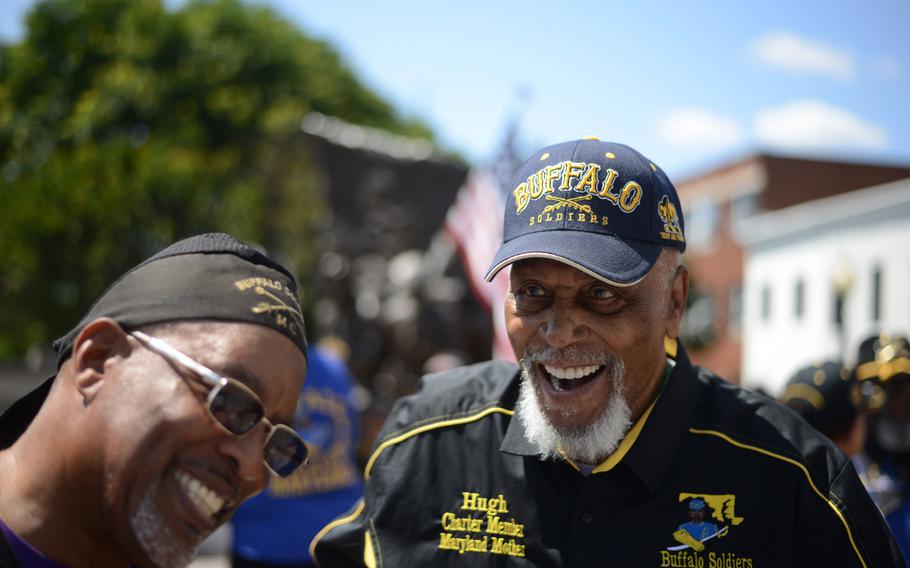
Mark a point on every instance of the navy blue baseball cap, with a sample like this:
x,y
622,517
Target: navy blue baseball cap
x,y
600,207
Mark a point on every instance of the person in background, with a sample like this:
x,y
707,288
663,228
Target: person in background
x,y
827,396
274,528
169,407
883,373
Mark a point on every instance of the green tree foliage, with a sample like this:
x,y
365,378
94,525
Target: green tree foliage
x,y
124,126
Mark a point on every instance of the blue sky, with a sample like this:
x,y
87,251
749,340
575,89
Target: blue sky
x,y
690,84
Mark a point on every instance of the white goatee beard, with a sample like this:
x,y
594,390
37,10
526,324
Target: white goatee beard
x,y
161,545
586,444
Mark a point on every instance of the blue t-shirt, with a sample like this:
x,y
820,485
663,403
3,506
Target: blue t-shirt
x,y
277,525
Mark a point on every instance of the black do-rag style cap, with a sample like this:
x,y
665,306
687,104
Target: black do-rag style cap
x,y
206,277
600,207
825,395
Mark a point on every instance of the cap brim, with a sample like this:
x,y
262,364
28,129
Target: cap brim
x,y
16,418
605,257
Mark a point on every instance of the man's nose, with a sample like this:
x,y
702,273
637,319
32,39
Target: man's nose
x,y
563,328
246,454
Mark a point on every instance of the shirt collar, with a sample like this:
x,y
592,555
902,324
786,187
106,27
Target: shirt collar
x,y
654,440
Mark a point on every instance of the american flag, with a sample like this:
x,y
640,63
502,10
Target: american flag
x,y
474,223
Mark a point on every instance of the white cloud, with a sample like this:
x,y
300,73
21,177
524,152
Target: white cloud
x,y
812,124
792,53
888,68
695,127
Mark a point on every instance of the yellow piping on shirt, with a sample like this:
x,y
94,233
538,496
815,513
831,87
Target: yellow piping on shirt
x,y
340,521
791,461
427,428
391,442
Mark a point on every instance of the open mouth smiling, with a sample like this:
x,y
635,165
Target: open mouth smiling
x,y
565,379
209,506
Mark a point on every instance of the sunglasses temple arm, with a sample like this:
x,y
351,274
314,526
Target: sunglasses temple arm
x,y
206,374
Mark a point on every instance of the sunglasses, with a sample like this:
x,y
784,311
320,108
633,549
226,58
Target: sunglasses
x,y
237,409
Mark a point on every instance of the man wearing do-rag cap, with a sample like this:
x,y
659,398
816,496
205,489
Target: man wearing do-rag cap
x,y
595,449
168,409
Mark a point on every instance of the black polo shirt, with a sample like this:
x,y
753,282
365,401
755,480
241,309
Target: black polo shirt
x,y
712,476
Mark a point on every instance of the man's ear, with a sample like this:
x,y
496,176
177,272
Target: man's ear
x,y
99,342
679,294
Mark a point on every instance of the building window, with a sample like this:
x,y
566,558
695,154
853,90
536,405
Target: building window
x,y
799,299
744,206
766,302
736,305
702,221
877,293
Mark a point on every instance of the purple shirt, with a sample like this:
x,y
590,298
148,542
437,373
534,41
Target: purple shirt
x,y
26,554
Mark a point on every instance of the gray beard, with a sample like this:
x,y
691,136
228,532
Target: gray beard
x,y
164,548
588,444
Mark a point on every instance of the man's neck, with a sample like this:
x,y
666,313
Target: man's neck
x,y
43,506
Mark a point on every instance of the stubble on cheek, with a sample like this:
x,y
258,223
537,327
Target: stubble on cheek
x,y
160,542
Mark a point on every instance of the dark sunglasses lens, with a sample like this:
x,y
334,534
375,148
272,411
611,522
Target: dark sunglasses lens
x,y
236,410
285,452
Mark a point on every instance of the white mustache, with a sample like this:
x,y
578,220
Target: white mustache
x,y
576,354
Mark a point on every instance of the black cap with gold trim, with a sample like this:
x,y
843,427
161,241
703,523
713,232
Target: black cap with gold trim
x,y
883,361
825,395
600,207
883,358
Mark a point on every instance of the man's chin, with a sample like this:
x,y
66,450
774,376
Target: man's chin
x,y
561,430
162,546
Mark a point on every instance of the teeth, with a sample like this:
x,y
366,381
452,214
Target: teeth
x,y
570,372
207,501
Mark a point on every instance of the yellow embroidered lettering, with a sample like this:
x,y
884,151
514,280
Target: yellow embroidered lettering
x,y
522,197
507,547
630,197
588,182
535,186
248,283
469,501
728,560
581,217
464,524
553,173
570,171
606,188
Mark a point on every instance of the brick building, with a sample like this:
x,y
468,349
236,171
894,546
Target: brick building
x,y
714,202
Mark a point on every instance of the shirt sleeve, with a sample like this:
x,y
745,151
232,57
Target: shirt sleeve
x,y
845,528
348,540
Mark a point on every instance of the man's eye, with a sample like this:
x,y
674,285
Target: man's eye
x,y
602,293
532,290
530,298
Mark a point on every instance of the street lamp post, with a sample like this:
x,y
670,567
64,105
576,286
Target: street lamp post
x,y
841,281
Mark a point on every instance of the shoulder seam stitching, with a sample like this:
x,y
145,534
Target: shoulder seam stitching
x,y
729,439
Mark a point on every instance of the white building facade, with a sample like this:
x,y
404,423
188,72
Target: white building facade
x,y
822,276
